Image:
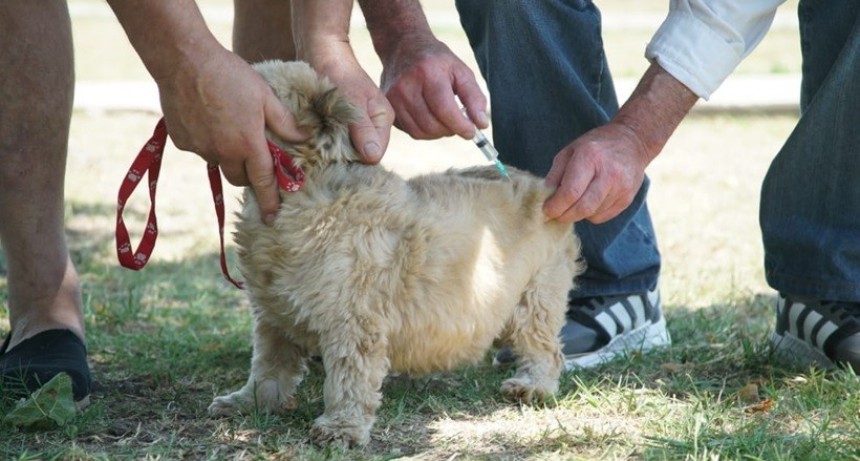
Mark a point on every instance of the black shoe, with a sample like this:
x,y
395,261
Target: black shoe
x,y
600,329
821,333
36,360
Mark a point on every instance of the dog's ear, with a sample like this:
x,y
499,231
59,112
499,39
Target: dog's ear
x,y
333,114
318,106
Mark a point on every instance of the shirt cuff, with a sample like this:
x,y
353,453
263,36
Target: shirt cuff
x,y
694,53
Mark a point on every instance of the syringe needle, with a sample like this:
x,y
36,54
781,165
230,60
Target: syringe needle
x,y
487,149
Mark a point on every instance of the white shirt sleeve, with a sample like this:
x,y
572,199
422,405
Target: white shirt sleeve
x,y
702,41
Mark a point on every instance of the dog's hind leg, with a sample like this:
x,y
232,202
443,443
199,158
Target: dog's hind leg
x,y
534,337
356,362
277,368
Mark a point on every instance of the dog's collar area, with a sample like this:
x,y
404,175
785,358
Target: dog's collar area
x,y
289,176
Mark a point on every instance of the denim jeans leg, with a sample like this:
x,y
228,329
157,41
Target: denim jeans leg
x,y
549,82
810,208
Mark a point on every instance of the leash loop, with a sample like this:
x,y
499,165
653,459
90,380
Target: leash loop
x,y
148,161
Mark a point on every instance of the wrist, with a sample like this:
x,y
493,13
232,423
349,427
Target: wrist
x,y
655,109
394,26
320,27
166,35
328,55
322,46
184,59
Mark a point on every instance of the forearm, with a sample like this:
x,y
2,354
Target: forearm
x,y
395,22
657,106
166,34
262,30
319,23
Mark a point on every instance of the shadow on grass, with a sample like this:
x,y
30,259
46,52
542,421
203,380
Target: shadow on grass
x,y
90,227
164,341
723,344
737,398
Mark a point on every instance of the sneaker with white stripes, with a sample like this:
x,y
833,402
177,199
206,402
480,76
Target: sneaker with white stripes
x,y
600,329
818,333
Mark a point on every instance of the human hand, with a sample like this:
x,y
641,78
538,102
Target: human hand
x,y
321,33
219,108
421,78
371,133
597,175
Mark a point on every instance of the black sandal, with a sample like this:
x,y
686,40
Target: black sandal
x,y
33,362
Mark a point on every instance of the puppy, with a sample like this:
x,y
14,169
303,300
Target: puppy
x,y
377,274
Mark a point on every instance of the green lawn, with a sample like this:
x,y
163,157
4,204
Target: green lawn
x,y
166,340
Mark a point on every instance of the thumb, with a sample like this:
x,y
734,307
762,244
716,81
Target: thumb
x,y
372,131
556,172
366,140
556,204
260,168
282,122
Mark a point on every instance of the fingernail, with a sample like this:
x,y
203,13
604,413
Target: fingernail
x,y
269,219
482,119
371,150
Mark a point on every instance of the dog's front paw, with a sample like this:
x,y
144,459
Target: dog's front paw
x,y
329,432
229,405
525,391
236,403
262,396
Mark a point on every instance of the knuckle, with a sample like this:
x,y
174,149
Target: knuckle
x,y
570,192
262,181
588,205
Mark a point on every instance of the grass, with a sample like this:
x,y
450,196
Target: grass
x,y
163,342
166,340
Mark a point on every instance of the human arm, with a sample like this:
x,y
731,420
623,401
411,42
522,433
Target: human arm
x,y
214,104
263,30
598,174
321,31
695,49
421,75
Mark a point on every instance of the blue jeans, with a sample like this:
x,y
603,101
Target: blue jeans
x,y
549,82
810,202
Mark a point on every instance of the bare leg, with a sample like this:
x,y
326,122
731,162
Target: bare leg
x,y
262,30
36,90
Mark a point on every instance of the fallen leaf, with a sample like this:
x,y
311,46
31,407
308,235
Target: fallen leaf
x,y
764,405
51,406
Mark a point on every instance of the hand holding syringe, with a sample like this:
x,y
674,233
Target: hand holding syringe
x,y
487,148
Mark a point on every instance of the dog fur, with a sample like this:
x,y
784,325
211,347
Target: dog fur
x,y
378,274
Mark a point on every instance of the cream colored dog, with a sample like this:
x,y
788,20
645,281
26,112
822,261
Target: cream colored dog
x,y
377,274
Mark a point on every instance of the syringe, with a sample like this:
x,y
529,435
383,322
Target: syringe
x,y
487,149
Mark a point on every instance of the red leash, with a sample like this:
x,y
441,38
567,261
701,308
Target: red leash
x,y
290,178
